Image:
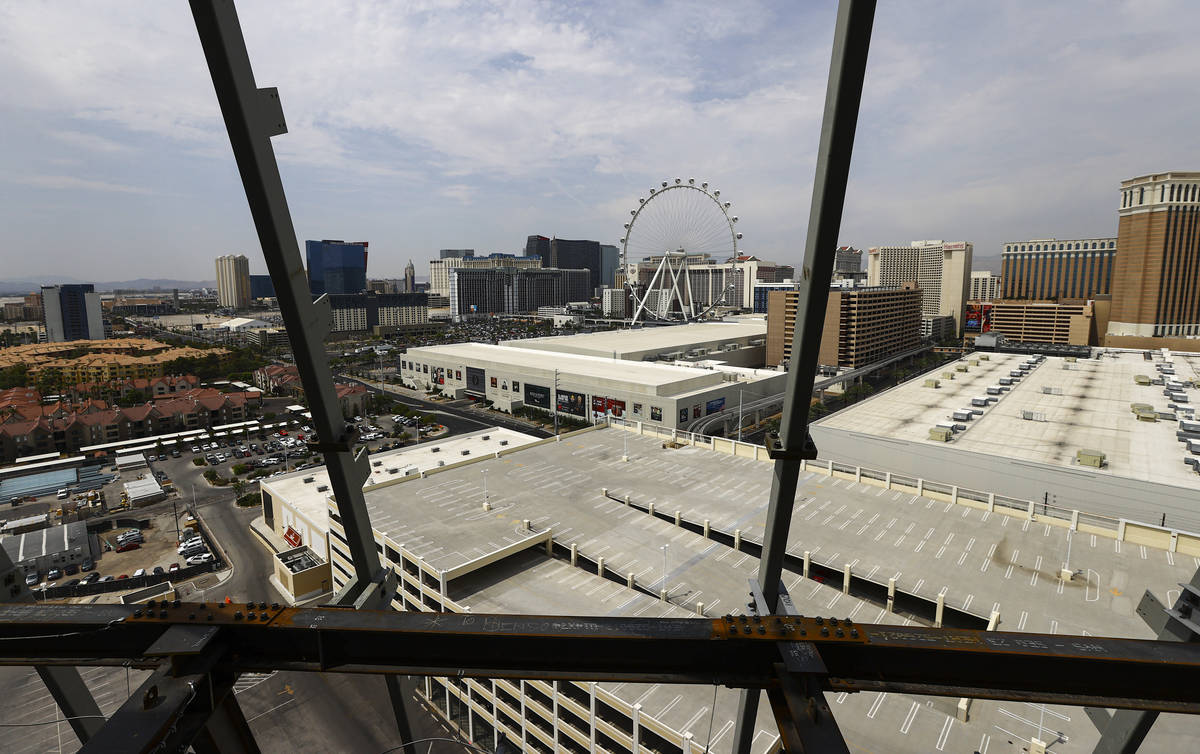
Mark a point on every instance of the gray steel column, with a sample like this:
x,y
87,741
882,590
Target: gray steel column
x,y
1124,730
252,116
851,41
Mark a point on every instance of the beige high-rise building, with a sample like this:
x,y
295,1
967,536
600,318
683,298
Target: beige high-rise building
x,y
1156,277
439,269
233,281
941,269
985,286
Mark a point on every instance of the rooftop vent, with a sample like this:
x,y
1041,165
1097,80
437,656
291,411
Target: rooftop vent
x,y
504,442
487,437
393,471
441,463
377,463
465,452
434,449
322,487
308,480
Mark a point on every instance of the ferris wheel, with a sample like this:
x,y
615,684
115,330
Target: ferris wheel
x,y
680,221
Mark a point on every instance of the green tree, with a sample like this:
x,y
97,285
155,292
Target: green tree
x,y
239,488
14,376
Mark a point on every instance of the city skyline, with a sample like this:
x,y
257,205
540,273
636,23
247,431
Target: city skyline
x,y
120,146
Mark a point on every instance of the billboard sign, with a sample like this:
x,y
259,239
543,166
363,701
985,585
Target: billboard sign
x,y
536,395
602,406
714,406
572,403
476,380
978,318
954,246
292,537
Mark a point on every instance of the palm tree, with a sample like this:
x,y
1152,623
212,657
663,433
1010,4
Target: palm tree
x,y
239,488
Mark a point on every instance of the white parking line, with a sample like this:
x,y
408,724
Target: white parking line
x,y
941,742
908,720
876,704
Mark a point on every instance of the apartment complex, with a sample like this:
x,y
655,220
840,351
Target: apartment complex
x,y
336,266
72,312
362,312
512,290
285,380
1044,322
1050,269
862,325
1156,281
440,269
35,429
985,286
233,281
103,360
941,270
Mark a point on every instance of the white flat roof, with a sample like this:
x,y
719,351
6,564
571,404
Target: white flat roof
x,y
633,343
138,489
1085,406
536,362
304,498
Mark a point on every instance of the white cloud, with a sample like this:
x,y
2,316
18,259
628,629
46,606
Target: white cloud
x,y
70,182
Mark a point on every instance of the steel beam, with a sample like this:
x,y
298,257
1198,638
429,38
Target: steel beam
x,y
252,116
740,651
851,41
1124,730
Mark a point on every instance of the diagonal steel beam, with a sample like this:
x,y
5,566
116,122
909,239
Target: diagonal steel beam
x,y
851,41
252,116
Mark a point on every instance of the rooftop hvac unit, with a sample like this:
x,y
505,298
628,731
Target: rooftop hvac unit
x,y
464,452
393,471
731,347
1051,390
758,342
308,480
441,463
413,470
377,463
322,487
487,437
1033,416
503,443
434,449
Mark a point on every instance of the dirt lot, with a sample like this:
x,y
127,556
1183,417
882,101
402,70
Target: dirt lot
x,y
157,550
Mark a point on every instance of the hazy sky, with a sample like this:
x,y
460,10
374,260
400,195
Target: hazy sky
x,y
426,125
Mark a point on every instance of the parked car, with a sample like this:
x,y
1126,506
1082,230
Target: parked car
x,y
31,579
158,571
123,576
91,578
200,559
162,456
175,453
173,568
195,449
74,582
54,575
107,579
129,546
87,564
71,570
139,572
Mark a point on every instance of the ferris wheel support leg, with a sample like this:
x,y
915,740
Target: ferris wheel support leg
x,y
788,448
687,279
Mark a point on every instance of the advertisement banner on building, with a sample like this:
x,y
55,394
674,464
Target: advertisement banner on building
x,y
476,380
714,406
655,414
954,246
602,406
572,403
978,318
683,415
538,396
292,537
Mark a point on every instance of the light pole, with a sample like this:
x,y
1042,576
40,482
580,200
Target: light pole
x,y
664,579
485,490
554,401
740,391
625,437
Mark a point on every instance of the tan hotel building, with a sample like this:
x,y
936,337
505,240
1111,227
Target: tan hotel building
x,y
1156,282
862,325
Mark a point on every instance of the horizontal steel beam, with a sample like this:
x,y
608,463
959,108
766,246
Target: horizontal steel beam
x,y
735,651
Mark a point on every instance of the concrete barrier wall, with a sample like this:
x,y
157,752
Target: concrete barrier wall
x,y
1070,488
1174,539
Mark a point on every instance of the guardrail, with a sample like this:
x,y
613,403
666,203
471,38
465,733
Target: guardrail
x,y
1120,529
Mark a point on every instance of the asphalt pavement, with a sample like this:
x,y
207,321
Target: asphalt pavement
x,y
454,414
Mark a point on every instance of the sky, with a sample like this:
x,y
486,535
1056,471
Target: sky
x,y
435,124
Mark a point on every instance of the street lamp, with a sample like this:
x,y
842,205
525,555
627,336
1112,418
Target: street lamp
x,y
486,504
664,578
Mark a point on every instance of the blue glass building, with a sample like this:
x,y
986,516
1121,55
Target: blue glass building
x,y
336,266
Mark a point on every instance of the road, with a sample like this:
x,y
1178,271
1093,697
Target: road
x,y
454,414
